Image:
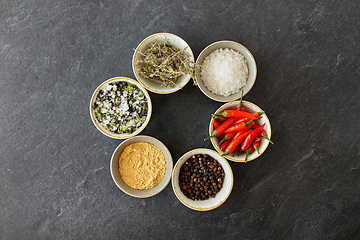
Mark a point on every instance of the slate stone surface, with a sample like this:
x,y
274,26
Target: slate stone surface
x,y
55,181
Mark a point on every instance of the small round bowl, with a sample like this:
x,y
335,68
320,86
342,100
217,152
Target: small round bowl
x,y
115,174
155,86
236,47
251,108
106,131
211,203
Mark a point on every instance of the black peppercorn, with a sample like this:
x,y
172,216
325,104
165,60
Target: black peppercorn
x,y
201,177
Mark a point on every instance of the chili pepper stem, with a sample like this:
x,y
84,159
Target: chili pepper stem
x,y
265,136
215,117
225,153
257,149
256,144
247,123
248,152
219,114
235,152
239,106
212,135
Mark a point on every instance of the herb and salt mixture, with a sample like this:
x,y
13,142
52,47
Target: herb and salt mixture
x,y
121,107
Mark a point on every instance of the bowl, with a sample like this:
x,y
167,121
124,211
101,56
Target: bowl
x,y
236,47
251,108
115,174
102,128
211,203
156,86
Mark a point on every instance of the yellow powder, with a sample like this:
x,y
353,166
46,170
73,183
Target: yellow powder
x,y
142,165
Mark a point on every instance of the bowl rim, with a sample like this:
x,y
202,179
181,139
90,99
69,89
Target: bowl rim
x,y
113,159
268,133
177,165
197,68
127,80
143,42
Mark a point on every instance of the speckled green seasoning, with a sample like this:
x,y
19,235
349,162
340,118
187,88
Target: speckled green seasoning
x,y
121,107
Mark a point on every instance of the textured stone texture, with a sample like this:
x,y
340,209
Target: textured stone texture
x,y
55,181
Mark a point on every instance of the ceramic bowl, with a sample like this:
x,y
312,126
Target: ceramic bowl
x,y
155,86
115,174
211,203
236,47
104,130
251,108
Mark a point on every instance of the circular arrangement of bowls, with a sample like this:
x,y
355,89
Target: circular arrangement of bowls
x,y
172,173
155,86
114,167
106,131
211,203
251,108
238,48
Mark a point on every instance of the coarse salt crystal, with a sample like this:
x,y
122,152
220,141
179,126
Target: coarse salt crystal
x,y
224,72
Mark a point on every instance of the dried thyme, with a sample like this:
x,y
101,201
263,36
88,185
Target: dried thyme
x,y
165,63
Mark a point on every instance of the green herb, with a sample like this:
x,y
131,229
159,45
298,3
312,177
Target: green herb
x,y
165,63
121,107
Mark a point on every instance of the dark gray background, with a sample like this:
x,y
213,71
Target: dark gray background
x,y
55,181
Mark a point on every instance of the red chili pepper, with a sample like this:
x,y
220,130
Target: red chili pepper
x,y
242,120
219,118
263,134
250,138
248,151
250,126
239,136
257,114
256,144
239,127
234,113
215,123
239,107
224,145
221,128
236,152
227,136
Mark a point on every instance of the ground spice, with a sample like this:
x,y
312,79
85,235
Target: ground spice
x,y
142,165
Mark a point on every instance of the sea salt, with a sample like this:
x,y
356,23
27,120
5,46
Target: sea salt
x,y
224,72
